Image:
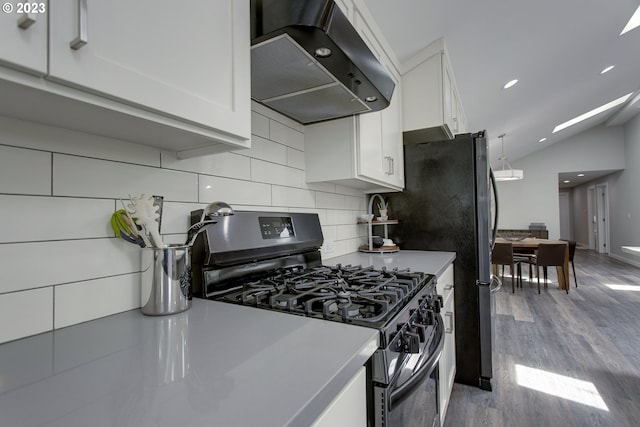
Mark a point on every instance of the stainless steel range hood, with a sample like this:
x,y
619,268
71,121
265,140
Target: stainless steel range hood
x,y
310,64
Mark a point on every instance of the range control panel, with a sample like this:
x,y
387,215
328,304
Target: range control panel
x,y
276,227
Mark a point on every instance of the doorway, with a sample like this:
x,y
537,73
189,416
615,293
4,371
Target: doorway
x,y
565,216
592,220
601,199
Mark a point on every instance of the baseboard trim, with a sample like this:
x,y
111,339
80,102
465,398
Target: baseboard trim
x,y
625,260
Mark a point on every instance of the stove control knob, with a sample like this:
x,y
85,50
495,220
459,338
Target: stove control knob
x,y
437,303
429,317
419,329
411,342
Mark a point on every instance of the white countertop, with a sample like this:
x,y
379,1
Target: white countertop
x,y
432,262
215,364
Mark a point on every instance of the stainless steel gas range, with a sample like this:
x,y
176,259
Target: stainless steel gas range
x,y
272,261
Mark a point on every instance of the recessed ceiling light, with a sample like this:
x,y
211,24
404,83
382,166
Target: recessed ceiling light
x,y
566,181
580,174
609,68
633,22
592,113
510,83
542,139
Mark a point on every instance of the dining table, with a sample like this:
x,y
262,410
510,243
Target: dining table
x,y
530,244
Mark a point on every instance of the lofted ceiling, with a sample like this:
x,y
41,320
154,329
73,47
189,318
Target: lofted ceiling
x,y
556,49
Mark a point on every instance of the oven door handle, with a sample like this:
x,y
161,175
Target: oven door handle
x,y
427,367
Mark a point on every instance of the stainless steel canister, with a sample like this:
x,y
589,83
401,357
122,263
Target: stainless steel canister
x,y
166,280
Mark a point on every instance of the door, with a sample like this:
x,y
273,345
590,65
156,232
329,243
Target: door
x,y
565,216
392,146
190,62
592,219
411,399
602,217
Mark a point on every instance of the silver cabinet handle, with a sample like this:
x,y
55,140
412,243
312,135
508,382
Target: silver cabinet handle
x,y
390,165
449,315
448,287
81,38
393,166
26,20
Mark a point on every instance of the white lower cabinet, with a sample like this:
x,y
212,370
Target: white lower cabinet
x,y
349,408
447,366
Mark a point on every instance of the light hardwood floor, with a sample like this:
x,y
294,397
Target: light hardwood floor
x,y
562,360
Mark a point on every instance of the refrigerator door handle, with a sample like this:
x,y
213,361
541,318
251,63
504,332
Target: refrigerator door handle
x,y
494,188
498,284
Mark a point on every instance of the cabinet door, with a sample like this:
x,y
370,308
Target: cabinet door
x,y
447,366
24,38
185,60
371,162
393,156
370,152
349,408
448,97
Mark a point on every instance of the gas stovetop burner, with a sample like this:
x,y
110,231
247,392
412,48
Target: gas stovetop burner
x,y
355,294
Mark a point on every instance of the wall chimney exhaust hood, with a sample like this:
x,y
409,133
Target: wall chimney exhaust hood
x,y
310,64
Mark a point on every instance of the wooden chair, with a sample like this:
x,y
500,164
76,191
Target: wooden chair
x,y
572,252
502,254
551,255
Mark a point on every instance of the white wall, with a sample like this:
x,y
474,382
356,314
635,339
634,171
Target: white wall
x,y
535,198
624,196
60,263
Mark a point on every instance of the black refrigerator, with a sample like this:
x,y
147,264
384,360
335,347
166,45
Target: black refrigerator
x,y
446,206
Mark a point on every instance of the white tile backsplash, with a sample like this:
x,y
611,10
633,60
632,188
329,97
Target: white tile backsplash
x,y
293,197
46,138
24,171
83,301
233,191
330,201
37,218
350,231
286,135
264,149
259,125
26,313
39,264
295,158
275,174
84,177
60,188
228,165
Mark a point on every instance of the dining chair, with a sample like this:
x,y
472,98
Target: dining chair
x,y
501,255
551,255
572,252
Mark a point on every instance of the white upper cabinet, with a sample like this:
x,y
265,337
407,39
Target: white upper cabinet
x,y
392,148
363,151
24,37
167,75
432,109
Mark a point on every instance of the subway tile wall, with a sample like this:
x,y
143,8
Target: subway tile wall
x,y
60,262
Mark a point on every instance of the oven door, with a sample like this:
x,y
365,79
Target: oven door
x,y
412,398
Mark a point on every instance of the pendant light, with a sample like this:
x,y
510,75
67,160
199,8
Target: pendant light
x,y
507,173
